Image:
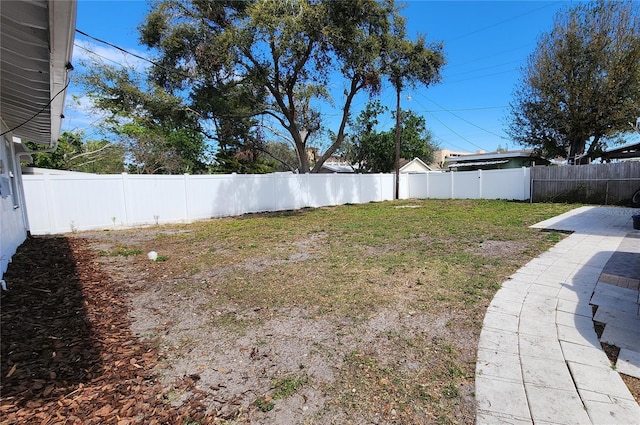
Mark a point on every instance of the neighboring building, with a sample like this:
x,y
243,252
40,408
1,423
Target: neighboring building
x,y
416,165
624,153
335,168
440,155
495,160
336,164
36,40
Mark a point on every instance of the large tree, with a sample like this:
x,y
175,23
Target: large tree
x,y
160,133
282,56
581,86
372,151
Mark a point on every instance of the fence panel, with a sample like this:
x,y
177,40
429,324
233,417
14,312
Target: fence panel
x,y
439,185
155,199
492,184
513,183
70,202
63,203
466,185
58,204
606,184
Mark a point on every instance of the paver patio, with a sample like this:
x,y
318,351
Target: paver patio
x,y
539,357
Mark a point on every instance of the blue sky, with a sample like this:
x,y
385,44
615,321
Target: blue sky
x,y
485,43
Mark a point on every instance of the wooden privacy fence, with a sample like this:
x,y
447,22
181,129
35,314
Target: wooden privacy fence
x,y
605,184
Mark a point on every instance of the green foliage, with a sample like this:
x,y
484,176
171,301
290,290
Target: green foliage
x,y
160,133
264,405
125,252
374,151
272,59
581,86
286,386
91,156
281,156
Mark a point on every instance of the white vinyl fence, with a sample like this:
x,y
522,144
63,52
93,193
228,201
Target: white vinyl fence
x,y
511,184
75,202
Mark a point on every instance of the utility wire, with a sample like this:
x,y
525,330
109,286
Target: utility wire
x,y
465,120
118,48
503,22
39,112
485,108
182,74
96,54
473,71
452,130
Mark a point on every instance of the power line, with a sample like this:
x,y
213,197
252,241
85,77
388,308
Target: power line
x,y
473,71
39,112
503,22
439,140
175,71
450,129
118,48
485,108
96,54
465,120
482,76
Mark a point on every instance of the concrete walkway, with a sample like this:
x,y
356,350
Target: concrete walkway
x,y
539,357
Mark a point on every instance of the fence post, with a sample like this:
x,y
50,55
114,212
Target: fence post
x,y
526,182
451,184
125,198
49,203
186,197
480,183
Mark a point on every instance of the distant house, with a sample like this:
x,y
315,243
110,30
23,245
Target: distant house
x,y
335,164
416,165
336,168
624,153
36,38
440,155
494,160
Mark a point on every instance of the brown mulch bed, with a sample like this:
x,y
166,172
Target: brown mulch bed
x,y
67,352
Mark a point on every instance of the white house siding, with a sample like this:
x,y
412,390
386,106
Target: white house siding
x,y
12,220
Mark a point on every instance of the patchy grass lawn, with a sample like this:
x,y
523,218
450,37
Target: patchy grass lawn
x,y
352,314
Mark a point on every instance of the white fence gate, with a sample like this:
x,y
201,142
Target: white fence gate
x,y
512,184
74,202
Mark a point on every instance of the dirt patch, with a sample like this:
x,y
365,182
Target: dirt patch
x,y
236,354
498,249
308,318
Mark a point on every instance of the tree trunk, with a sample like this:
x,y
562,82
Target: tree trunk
x,y
576,148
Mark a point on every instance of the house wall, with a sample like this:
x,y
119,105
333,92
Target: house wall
x,y
65,203
12,225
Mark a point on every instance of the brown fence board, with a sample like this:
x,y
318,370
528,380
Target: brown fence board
x,y
606,184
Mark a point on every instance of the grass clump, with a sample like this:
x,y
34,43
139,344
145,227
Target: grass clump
x,y
125,251
288,385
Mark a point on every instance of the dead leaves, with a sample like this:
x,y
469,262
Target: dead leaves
x,y
68,355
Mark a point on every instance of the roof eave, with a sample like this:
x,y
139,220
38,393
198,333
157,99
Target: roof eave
x,y
62,24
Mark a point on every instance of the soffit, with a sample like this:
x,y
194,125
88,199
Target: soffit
x,y
36,40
